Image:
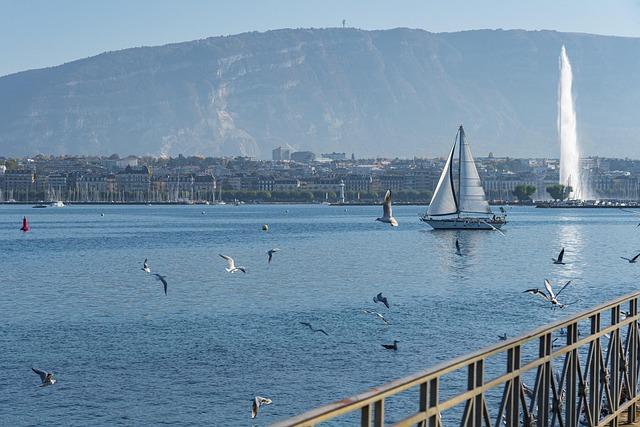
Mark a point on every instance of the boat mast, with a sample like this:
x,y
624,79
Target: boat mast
x,y
460,147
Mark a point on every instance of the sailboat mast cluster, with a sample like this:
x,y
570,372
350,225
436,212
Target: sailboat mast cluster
x,y
459,201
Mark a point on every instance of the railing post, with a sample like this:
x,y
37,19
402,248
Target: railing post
x,y
378,420
474,408
434,386
424,402
571,377
614,364
543,393
513,400
595,370
633,359
478,405
365,416
428,400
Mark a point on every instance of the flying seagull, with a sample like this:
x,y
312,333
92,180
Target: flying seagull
x,y
375,313
45,377
270,252
231,265
258,401
145,267
632,260
379,298
162,279
458,251
387,214
307,324
393,346
549,295
559,259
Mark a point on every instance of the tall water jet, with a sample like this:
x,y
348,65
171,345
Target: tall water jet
x,y
570,172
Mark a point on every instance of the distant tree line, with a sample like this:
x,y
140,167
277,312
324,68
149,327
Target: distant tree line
x,y
559,191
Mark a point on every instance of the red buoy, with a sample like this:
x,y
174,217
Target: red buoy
x,y
25,224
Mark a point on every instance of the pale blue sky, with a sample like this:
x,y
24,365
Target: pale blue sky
x,y
41,33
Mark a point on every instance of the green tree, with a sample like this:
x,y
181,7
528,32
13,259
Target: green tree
x,y
11,164
559,191
524,192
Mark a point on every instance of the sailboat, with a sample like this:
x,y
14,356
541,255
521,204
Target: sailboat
x,y
459,202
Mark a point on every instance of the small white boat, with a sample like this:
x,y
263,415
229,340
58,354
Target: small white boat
x,y
57,204
459,202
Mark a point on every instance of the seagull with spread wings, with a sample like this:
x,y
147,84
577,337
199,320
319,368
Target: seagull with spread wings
x,y
375,313
231,265
145,267
632,260
559,259
258,401
270,252
387,213
308,325
548,295
381,298
45,377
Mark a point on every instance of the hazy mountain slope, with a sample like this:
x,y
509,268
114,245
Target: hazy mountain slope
x,y
394,92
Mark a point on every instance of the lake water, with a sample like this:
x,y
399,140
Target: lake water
x,y
75,301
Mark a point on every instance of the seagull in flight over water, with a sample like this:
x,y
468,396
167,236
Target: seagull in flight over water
x,y
307,324
458,251
258,401
632,260
549,295
393,346
375,313
145,267
380,298
387,213
231,265
45,377
162,279
559,259
270,252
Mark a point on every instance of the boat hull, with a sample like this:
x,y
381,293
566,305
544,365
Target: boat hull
x,y
463,223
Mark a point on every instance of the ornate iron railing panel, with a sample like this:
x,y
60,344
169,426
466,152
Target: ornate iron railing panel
x,y
591,379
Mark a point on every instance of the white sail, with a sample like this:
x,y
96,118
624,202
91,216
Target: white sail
x,y
443,201
471,197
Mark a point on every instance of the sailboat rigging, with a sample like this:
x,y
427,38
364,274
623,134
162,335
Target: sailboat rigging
x,y
459,202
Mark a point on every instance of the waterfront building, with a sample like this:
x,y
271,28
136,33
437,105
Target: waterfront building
x,y
279,154
303,156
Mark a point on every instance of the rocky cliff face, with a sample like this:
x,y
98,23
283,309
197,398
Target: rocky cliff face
x,y
394,92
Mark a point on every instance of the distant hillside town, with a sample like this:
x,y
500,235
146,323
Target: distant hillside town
x,y
289,177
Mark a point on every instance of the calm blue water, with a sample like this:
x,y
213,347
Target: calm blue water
x,y
74,300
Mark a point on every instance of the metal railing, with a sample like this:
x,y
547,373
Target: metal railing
x,y
602,389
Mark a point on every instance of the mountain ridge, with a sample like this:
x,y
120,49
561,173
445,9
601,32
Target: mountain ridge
x,y
382,92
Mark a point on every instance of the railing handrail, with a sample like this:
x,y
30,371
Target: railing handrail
x,y
373,395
